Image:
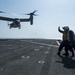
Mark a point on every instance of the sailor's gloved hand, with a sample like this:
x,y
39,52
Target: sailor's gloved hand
x,y
58,27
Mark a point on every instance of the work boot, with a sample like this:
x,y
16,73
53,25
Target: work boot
x,y
58,53
66,54
72,54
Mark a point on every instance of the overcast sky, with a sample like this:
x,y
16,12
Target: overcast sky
x,y
51,14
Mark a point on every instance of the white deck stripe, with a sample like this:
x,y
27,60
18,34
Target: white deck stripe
x,y
45,44
58,43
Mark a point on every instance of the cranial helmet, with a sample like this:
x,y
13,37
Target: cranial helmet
x,y
65,28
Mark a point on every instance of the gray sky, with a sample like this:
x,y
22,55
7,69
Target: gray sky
x,y
51,14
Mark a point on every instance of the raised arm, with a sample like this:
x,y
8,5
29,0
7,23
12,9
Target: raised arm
x,y
61,31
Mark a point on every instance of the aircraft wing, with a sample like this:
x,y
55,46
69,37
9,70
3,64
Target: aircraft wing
x,y
24,20
6,18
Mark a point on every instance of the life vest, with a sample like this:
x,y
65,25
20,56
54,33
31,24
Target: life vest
x,y
65,36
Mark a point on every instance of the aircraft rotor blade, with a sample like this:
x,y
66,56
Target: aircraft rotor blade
x,y
32,13
2,12
35,15
27,14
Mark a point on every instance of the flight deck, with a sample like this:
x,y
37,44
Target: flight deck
x,y
34,57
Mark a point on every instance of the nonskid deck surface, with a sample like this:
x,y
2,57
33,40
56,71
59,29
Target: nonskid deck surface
x,y
34,57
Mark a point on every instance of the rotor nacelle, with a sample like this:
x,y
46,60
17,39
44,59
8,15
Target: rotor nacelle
x,y
31,16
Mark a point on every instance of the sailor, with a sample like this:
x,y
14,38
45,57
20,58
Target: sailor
x,y
65,41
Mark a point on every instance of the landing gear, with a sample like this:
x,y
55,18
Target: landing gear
x,y
19,27
10,27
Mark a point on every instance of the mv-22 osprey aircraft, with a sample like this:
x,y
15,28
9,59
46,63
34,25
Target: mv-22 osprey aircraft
x,y
16,21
